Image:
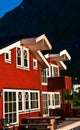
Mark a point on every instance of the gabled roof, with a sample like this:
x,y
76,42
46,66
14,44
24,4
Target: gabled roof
x,y
62,56
34,45
59,58
61,65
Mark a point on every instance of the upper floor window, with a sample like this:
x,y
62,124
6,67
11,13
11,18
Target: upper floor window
x,y
8,57
54,71
34,64
26,58
22,57
43,75
18,56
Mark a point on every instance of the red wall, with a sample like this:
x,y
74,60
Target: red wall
x,y
12,77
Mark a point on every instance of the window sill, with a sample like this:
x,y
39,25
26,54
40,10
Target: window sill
x,y
23,68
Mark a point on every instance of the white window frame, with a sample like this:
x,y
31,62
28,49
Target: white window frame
x,y
35,64
10,90
52,70
48,74
52,97
9,55
21,100
19,66
27,50
47,114
59,105
22,66
51,94
29,100
44,77
23,103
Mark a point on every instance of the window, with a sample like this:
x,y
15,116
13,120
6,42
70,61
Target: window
x,y
45,73
22,57
20,101
32,100
45,103
43,76
51,100
8,57
54,71
57,99
16,101
26,58
10,106
27,107
19,56
34,64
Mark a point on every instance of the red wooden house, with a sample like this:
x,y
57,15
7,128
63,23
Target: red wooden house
x,y
26,79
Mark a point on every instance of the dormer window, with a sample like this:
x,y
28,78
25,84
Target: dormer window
x,y
8,57
34,64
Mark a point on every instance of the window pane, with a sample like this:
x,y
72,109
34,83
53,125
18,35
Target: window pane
x,y
14,106
20,106
10,96
14,96
6,107
10,117
25,58
20,102
26,100
6,96
14,117
10,107
7,56
19,60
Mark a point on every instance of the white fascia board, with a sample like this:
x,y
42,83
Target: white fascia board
x,y
63,65
10,47
43,58
46,40
64,52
